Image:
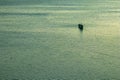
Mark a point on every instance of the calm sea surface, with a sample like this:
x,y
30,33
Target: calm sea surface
x,y
43,42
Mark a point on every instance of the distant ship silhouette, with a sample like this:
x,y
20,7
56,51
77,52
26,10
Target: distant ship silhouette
x,y
80,26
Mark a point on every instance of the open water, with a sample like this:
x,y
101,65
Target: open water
x,y
40,40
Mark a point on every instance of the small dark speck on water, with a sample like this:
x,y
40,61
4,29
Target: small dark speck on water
x,y
80,26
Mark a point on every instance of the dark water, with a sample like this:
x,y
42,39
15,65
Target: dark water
x,y
40,40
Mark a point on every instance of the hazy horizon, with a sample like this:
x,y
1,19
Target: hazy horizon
x,y
51,2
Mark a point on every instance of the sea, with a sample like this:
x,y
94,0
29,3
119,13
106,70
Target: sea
x,y
40,40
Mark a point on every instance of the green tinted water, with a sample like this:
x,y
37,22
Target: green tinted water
x,y
42,42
